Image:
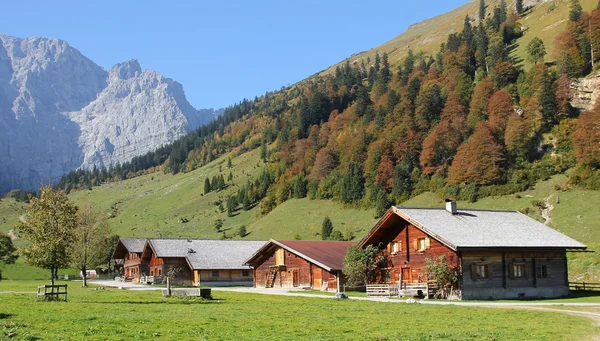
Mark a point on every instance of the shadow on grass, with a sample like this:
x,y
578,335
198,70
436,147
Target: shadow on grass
x,y
5,316
173,300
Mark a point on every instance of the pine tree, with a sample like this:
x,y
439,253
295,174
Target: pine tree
x,y
352,184
519,6
207,187
547,99
229,163
326,228
300,184
481,10
382,203
576,11
218,225
242,231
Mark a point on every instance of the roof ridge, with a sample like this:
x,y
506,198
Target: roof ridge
x,y
460,209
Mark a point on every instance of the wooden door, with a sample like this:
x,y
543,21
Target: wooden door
x,y
317,278
406,275
295,278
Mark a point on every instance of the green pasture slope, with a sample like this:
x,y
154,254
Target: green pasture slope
x,y
113,314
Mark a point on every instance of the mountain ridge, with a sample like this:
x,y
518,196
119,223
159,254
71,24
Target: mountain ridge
x,y
60,111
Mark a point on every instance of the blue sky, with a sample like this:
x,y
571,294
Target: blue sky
x,y
221,51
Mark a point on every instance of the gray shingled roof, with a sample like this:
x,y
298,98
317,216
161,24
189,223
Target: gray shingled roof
x,y
483,228
134,245
208,254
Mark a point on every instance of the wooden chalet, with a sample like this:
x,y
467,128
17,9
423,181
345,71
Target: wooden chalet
x,y
200,262
498,254
128,252
299,264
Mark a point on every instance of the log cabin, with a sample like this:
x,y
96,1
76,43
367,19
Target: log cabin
x,y
129,251
200,262
299,264
498,254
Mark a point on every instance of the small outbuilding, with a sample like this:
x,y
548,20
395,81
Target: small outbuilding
x,y
200,262
498,254
299,264
128,252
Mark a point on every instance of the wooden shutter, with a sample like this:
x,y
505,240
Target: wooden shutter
x,y
427,243
473,271
389,247
399,246
416,244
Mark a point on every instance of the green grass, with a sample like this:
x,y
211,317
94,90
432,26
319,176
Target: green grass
x,y
22,271
124,315
329,293
151,205
10,211
305,217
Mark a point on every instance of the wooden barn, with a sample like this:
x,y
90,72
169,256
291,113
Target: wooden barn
x,y
129,251
299,264
498,254
200,261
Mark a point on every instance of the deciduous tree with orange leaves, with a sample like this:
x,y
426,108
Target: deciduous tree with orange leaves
x,y
499,108
479,160
586,138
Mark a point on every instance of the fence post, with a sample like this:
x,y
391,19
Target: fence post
x,y
584,286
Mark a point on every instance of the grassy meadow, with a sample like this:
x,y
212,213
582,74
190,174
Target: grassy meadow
x,y
114,314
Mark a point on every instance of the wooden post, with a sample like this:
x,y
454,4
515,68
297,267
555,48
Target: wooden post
x,y
337,280
504,269
168,286
534,272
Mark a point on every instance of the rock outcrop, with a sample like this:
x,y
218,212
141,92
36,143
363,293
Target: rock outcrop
x,y
60,111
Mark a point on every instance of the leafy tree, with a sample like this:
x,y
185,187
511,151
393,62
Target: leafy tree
x,y
336,235
445,275
361,264
7,251
326,228
242,231
500,107
586,138
91,233
49,225
352,184
536,50
218,225
439,147
207,187
576,11
479,160
482,93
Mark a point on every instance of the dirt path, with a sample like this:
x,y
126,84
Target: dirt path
x,y
548,207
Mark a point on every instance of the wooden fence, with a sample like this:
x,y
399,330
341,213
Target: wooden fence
x,y
584,286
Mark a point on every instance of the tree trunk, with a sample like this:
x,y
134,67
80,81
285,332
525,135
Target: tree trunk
x,y
52,276
84,274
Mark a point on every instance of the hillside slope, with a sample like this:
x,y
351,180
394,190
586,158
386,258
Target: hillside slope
x,y
545,21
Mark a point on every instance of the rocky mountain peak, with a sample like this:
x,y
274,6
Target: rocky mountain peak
x,y
128,69
60,111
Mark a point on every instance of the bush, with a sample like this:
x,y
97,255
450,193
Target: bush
x,y
469,193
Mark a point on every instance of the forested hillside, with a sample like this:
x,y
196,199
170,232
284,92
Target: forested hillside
x,y
467,121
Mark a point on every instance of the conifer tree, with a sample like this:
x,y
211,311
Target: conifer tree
x,y
352,184
519,6
382,203
481,10
576,11
326,228
207,187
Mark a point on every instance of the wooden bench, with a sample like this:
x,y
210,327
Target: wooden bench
x,y
52,292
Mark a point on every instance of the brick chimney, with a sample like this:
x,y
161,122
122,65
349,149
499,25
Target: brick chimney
x,y
451,206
